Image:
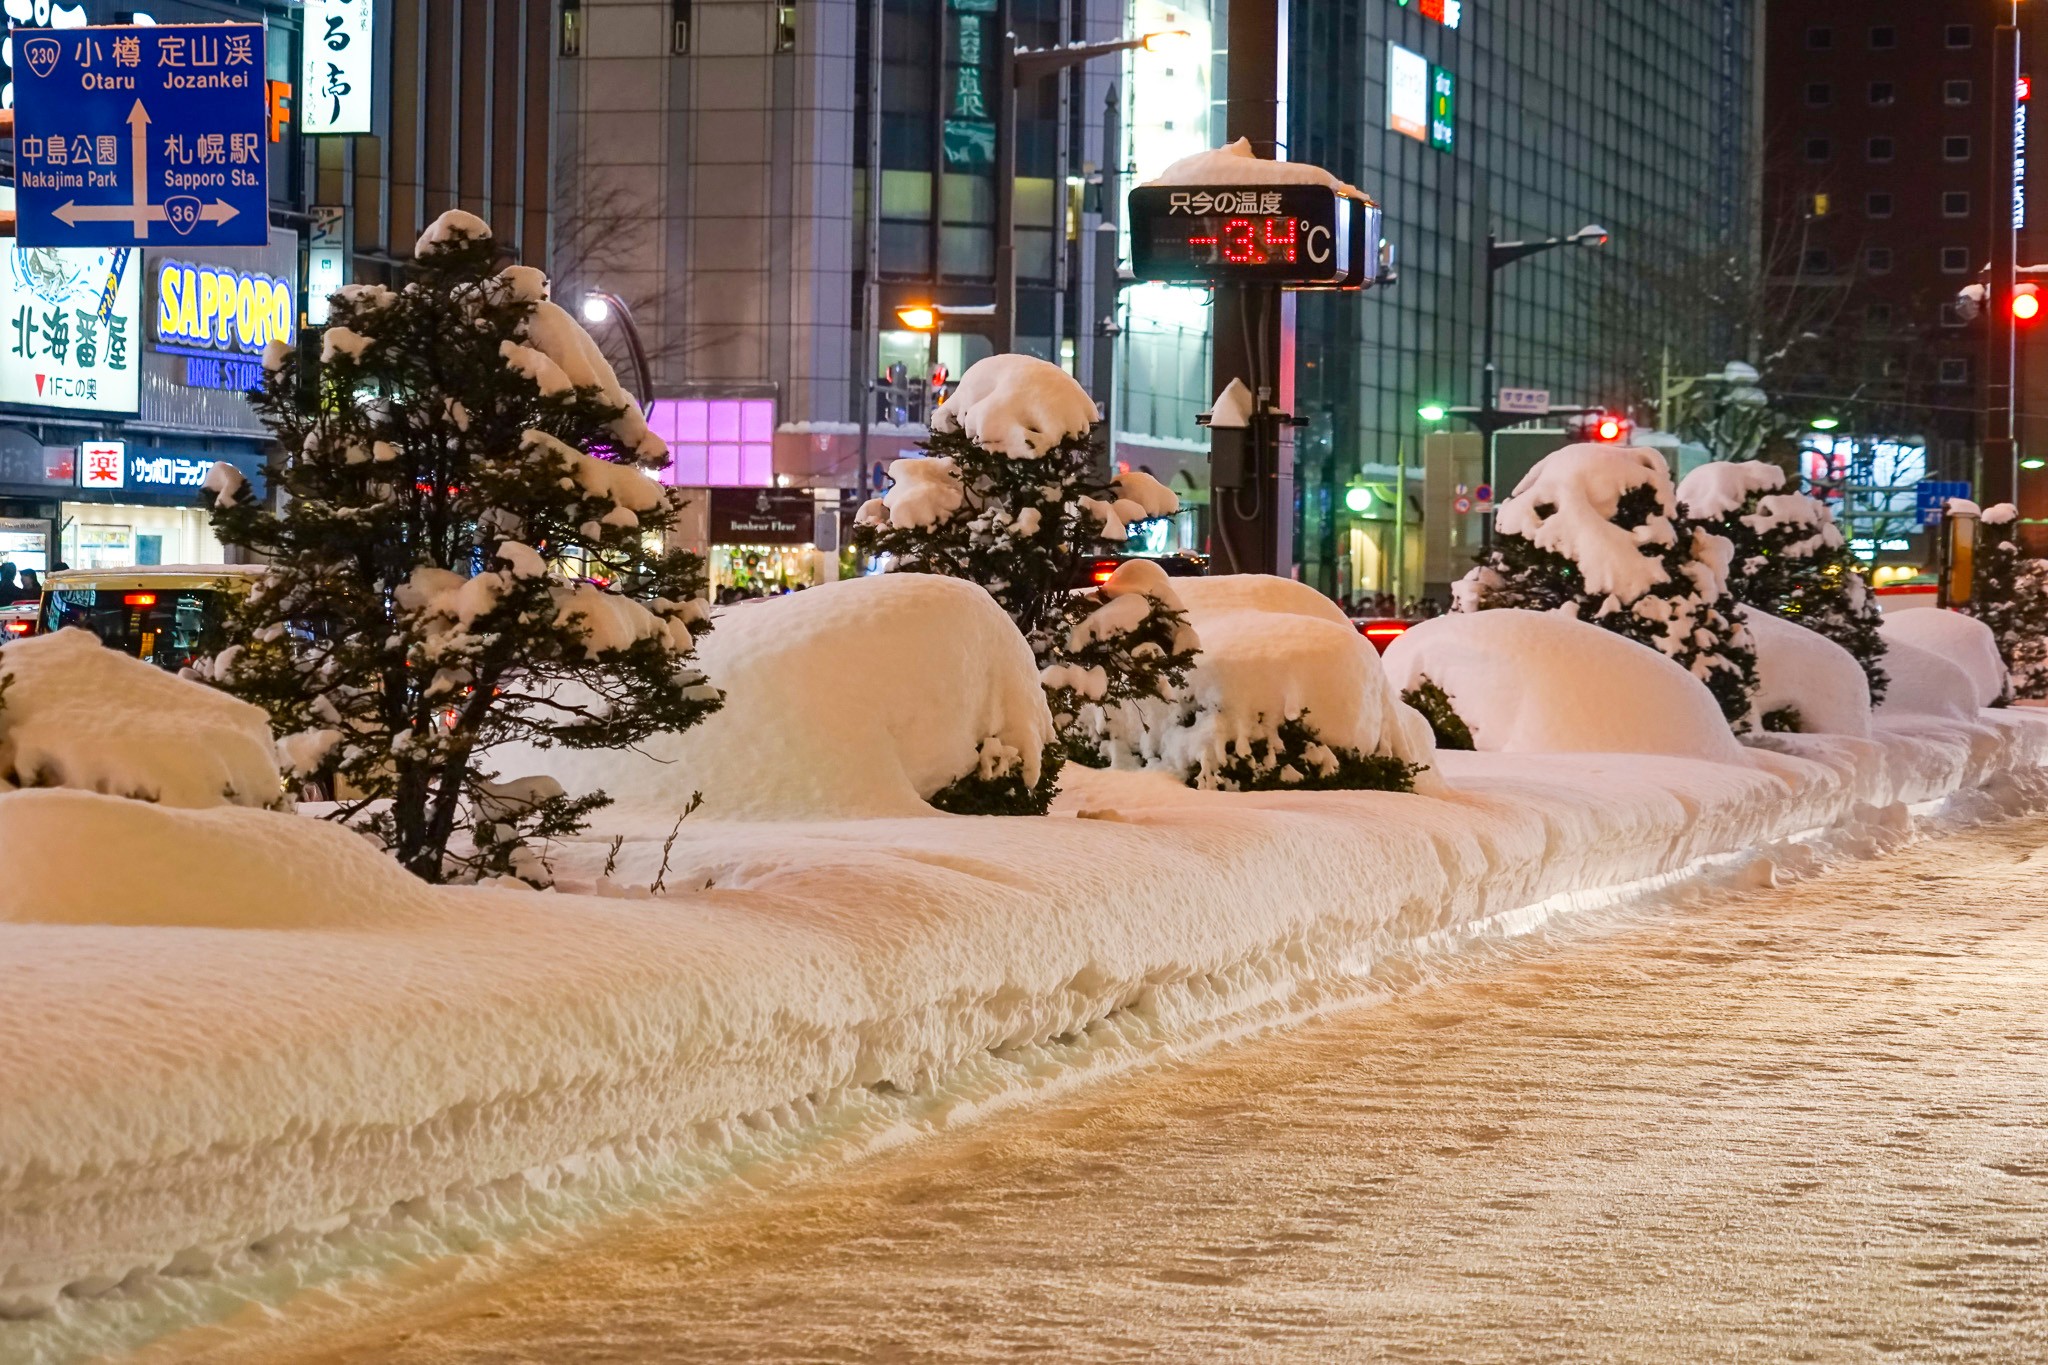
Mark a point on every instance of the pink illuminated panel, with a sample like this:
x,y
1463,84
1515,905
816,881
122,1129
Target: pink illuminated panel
x,y
716,442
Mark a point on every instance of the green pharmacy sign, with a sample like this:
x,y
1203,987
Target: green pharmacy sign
x,y
970,130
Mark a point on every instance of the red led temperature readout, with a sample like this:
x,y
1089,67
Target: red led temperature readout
x,y
1254,241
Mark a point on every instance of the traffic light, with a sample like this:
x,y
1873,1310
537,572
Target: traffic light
x,y
1607,428
2026,302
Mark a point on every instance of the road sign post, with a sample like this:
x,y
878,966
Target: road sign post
x,y
141,136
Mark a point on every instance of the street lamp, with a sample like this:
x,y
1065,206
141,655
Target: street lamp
x,y
1020,64
1500,255
598,307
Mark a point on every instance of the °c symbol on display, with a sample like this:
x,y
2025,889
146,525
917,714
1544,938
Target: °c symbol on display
x,y
1310,244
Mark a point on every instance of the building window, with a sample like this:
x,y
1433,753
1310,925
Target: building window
x,y
1884,37
1817,149
1820,39
1955,260
716,442
1955,204
1817,261
785,28
1878,149
1878,315
572,28
1883,92
1878,260
679,28
1955,147
1955,370
1955,92
1820,93
1952,314
1957,35
1877,205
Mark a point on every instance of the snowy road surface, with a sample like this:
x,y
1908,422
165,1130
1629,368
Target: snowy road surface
x,y
1810,1123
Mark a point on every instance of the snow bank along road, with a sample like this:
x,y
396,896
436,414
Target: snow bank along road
x,y
198,1122
1801,1125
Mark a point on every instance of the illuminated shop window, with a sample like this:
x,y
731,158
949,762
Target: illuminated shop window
x,y
716,442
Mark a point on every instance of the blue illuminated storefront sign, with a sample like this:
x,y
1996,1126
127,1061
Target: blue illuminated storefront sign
x,y
218,320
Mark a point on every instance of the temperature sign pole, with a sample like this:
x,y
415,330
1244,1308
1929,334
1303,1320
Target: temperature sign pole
x,y
147,135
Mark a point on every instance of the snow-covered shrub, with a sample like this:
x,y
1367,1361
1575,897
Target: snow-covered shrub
x,y
867,698
1806,683
74,713
1434,705
1790,558
1923,683
461,560
1010,497
2009,593
1123,668
1962,640
1594,532
1541,682
1286,694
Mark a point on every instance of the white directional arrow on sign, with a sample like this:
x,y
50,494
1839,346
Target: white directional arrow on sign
x,y
142,213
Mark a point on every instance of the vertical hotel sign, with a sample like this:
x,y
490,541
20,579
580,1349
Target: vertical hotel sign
x,y
2021,96
338,71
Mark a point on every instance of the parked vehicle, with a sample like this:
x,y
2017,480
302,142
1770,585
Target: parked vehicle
x,y
1185,564
167,615
18,620
1382,630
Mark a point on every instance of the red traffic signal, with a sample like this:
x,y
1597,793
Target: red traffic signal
x,y
1608,428
2026,302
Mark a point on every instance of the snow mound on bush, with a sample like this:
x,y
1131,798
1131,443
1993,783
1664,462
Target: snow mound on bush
x,y
1018,405
1806,671
103,860
1963,640
1582,486
855,699
1923,683
77,714
1715,489
1272,649
1536,682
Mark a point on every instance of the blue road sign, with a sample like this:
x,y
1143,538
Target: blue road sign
x,y
140,136
1929,495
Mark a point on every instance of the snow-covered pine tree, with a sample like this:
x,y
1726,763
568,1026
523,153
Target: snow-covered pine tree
x,y
1790,558
1594,531
461,560
2009,593
1123,668
1009,496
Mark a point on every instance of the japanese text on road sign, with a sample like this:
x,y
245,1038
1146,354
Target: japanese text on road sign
x,y
140,136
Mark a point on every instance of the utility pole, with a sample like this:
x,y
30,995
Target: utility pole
x,y
2000,476
1252,330
1108,287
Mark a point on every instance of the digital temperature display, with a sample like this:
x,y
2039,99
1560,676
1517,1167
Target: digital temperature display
x,y
1305,236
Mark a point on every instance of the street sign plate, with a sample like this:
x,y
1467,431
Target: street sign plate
x,y
1535,402
1929,495
146,135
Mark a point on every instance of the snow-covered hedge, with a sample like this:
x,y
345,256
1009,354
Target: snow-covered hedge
x,y
1806,682
77,714
1595,532
1540,682
1286,692
866,697
100,860
1962,640
1924,683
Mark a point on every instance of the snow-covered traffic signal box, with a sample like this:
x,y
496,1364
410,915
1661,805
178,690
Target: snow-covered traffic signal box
x,y
1295,236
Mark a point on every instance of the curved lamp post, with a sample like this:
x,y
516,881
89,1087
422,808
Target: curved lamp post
x,y
599,306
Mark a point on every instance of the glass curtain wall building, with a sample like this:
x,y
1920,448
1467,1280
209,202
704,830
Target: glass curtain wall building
x,y
1529,117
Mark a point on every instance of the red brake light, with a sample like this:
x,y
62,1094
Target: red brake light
x,y
20,627
1609,428
1104,570
139,599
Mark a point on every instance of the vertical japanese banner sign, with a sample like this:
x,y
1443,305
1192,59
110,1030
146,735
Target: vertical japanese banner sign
x,y
339,67
970,130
